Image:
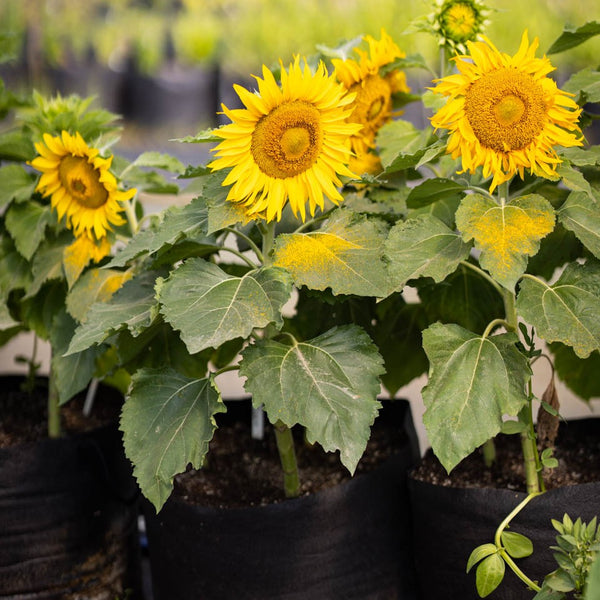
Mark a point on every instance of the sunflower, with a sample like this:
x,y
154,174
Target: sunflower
x,y
290,143
373,89
504,114
80,185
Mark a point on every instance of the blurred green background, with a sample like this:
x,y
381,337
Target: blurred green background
x,y
196,49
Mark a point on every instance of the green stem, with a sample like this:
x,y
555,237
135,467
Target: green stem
x,y
528,445
268,240
53,408
498,542
287,456
131,217
239,255
247,239
283,434
489,453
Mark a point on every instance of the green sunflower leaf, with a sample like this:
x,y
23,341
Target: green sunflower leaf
x,y
210,307
158,160
344,255
15,184
573,36
433,190
566,311
506,235
328,384
423,247
174,224
578,374
95,285
167,423
581,215
473,382
131,307
26,222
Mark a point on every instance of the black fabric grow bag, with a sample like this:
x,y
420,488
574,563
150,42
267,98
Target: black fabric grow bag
x,y
68,519
349,542
450,522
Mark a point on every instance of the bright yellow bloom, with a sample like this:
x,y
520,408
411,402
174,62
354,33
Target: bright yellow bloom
x,y
80,185
373,104
504,114
290,143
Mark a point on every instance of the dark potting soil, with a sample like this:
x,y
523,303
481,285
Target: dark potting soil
x,y
24,414
577,452
242,471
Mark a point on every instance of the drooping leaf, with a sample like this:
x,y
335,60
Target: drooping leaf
x,y
581,215
423,247
345,255
573,179
210,307
566,311
47,265
328,384
72,373
506,235
96,285
473,382
132,306
177,222
167,423
26,223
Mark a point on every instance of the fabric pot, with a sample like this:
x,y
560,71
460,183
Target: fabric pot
x,y
350,541
68,509
450,522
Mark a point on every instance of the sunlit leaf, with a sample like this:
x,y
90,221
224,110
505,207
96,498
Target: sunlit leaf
x,y
489,574
26,223
473,382
566,311
328,384
573,36
15,184
506,235
167,423
210,307
345,255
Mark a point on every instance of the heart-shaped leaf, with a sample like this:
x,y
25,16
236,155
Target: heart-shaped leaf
x,y
506,235
210,307
473,382
328,384
167,423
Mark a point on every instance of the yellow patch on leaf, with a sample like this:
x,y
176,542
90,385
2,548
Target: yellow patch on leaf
x,y
506,235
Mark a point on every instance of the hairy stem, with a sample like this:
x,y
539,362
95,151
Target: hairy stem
x,y
287,455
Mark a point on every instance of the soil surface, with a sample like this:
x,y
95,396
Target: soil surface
x,y
24,413
577,452
242,471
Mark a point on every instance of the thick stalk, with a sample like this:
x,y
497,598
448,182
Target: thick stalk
x,y
287,456
283,434
53,408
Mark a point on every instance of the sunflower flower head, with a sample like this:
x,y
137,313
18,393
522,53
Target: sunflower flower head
x,y
504,114
456,22
373,86
81,187
289,144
